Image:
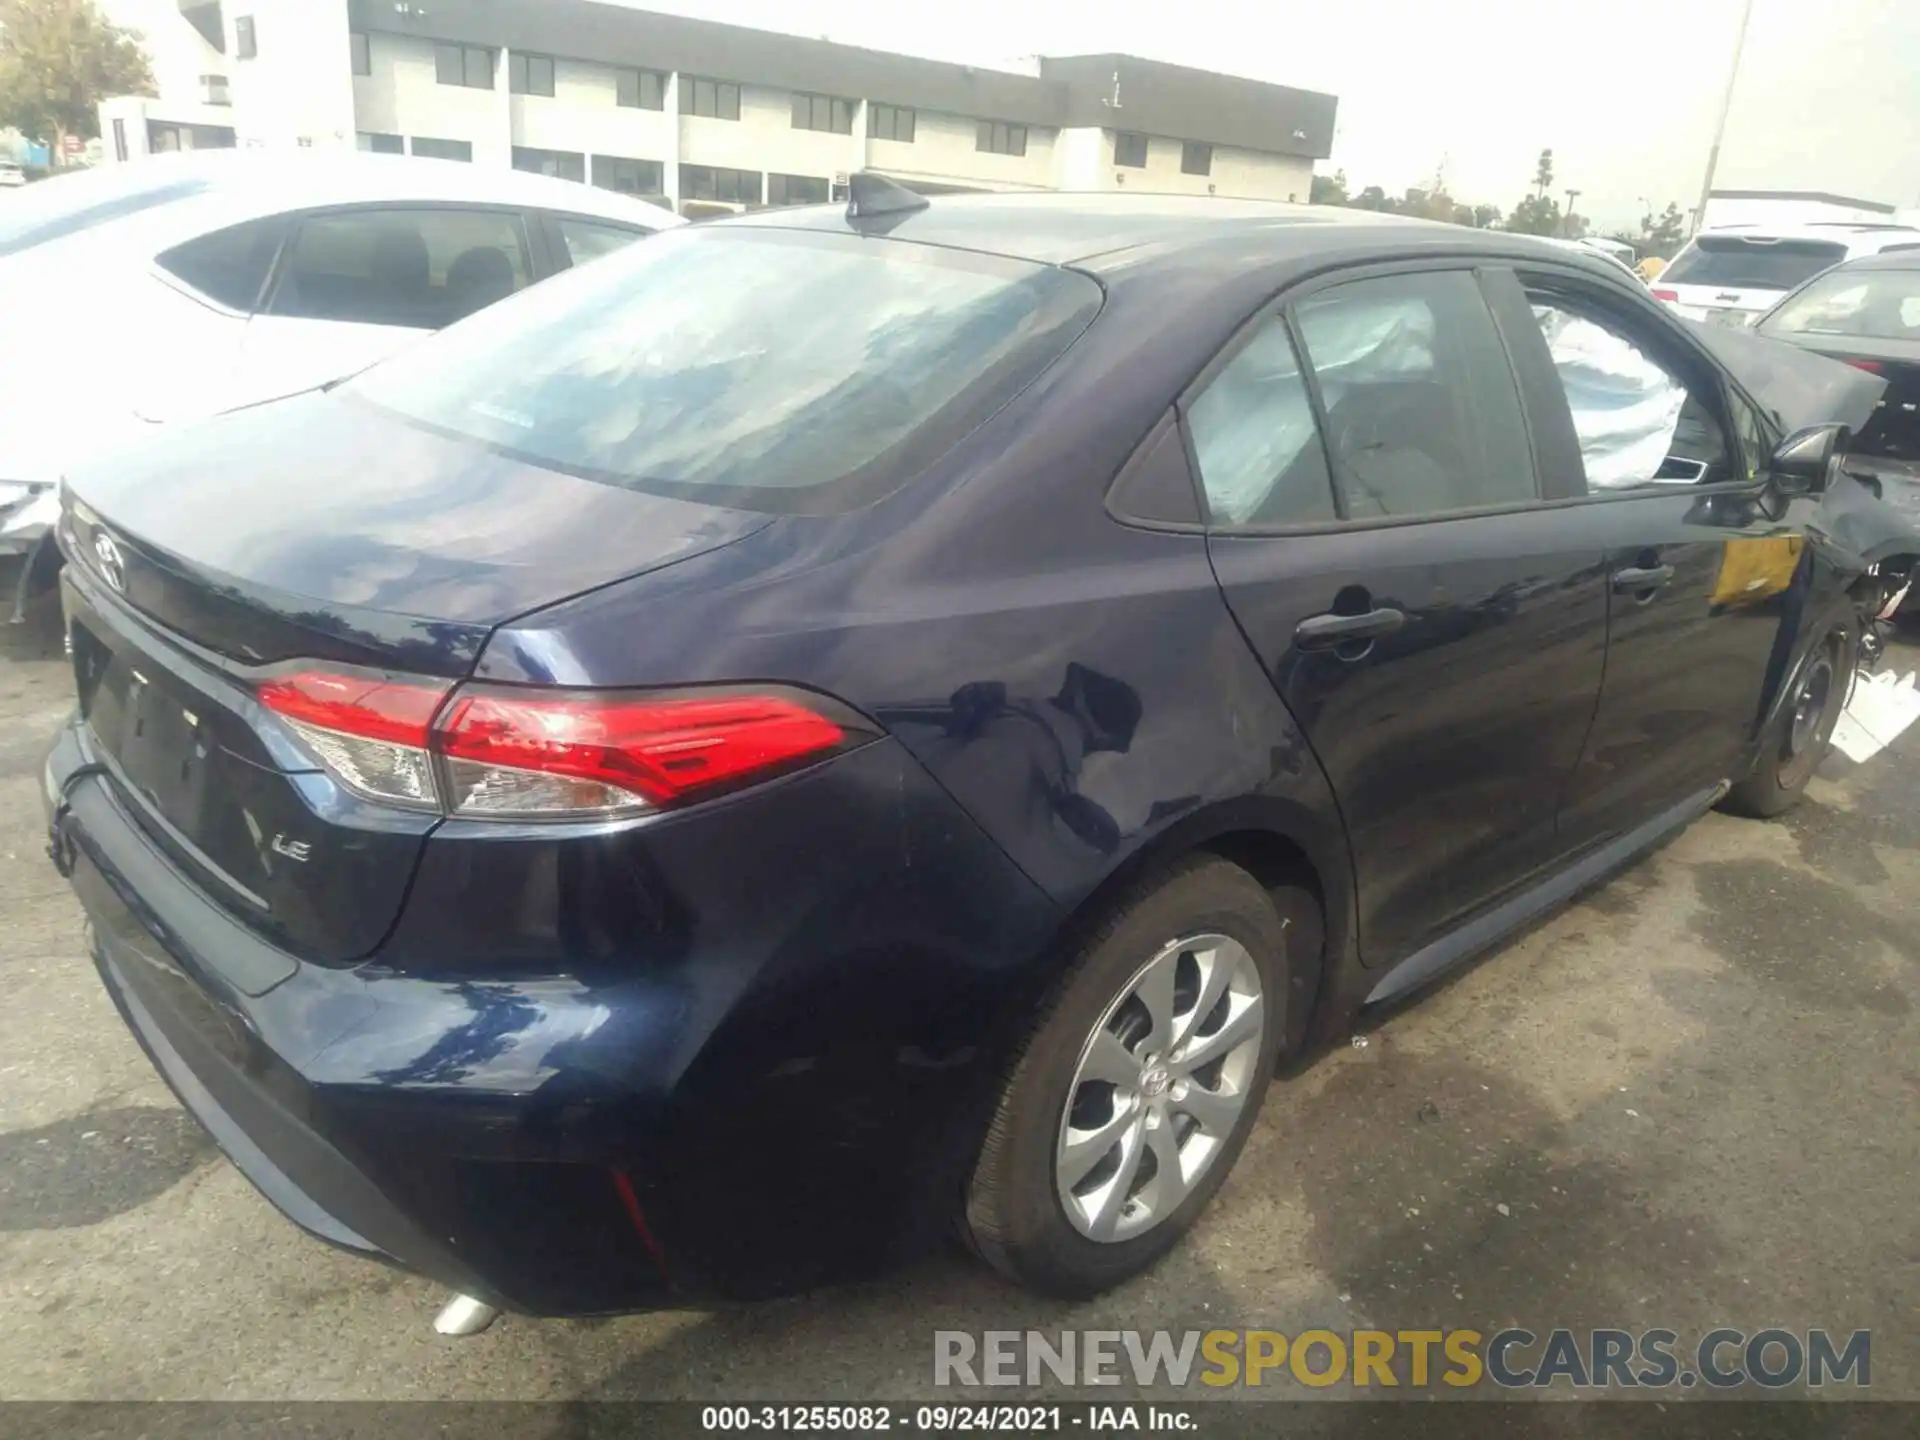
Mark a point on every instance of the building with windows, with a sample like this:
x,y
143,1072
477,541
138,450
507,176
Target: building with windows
x,y
706,114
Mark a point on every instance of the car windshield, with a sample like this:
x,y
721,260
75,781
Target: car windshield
x,y
1863,304
1741,262
69,204
759,368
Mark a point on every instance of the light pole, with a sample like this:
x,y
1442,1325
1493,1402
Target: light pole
x,y
1726,104
1572,195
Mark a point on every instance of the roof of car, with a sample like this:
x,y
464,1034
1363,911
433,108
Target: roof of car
x,y
1097,231
207,190
1863,237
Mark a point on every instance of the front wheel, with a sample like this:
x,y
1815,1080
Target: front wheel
x,y
1800,734
1134,1094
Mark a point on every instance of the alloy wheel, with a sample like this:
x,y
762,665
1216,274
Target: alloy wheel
x,y
1161,1083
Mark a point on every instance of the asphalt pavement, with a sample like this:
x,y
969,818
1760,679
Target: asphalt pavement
x,y
1687,1101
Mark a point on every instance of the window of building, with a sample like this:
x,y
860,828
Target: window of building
x,y
996,137
1421,411
215,89
229,266
890,122
713,182
468,65
823,112
433,149
1260,458
415,268
715,99
561,164
362,52
246,44
529,74
640,89
119,139
590,239
382,144
797,190
1130,150
1196,158
629,177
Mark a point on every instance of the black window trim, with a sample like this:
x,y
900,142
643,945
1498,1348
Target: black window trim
x,y
532,250
1618,301
1281,306
1171,418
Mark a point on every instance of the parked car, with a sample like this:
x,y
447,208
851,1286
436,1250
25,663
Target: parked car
x,y
1733,276
625,801
1867,313
190,284
12,176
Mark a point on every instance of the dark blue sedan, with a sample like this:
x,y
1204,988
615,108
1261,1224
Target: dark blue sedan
x,y
838,726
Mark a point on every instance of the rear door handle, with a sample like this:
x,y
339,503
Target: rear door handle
x,y
1641,578
1325,632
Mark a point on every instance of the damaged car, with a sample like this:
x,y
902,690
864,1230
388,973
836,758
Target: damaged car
x,y
624,802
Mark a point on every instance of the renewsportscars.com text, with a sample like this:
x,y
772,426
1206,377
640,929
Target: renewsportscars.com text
x,y
1723,1358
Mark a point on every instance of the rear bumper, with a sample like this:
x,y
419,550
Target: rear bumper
x,y
790,1097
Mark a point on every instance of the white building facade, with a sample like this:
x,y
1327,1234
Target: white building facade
x,y
703,114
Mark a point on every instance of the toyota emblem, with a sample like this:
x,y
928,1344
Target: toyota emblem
x,y
112,565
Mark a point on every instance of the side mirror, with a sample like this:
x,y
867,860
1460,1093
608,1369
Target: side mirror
x,y
1806,459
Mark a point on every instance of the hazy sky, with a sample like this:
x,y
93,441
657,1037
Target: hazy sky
x,y
1624,91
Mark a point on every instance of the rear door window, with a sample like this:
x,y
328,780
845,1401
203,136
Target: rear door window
x,y
586,240
1422,416
1738,262
229,266
1254,438
421,269
684,367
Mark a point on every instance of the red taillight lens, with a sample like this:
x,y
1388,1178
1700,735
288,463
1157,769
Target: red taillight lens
x,y
1871,366
370,732
523,753
1672,297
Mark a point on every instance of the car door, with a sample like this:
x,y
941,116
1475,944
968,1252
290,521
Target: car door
x,y
1436,627
1702,558
354,285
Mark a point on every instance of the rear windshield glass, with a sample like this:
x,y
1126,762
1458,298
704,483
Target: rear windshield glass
x,y
764,369
68,204
1864,304
1738,263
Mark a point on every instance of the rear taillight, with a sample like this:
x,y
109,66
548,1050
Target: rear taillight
x,y
503,752
1672,297
1871,366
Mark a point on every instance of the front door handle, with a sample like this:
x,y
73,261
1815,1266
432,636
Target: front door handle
x,y
1641,579
1326,632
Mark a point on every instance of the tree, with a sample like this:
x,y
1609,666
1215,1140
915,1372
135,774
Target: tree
x,y
1543,174
1486,217
1372,198
1535,215
1663,236
1329,189
58,60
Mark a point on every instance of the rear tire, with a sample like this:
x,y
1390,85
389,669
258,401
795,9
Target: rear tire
x,y
1084,1182
1798,739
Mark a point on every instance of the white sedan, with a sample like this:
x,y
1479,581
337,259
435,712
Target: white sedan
x,y
185,285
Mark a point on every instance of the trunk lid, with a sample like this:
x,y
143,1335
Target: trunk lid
x,y
317,528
